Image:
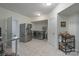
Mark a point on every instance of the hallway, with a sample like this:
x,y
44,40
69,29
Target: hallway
x,y
38,48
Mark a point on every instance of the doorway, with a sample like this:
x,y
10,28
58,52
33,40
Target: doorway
x,y
71,18
39,30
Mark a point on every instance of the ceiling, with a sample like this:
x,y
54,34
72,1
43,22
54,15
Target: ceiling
x,y
74,9
29,9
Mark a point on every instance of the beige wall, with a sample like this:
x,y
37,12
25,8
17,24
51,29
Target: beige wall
x,y
4,14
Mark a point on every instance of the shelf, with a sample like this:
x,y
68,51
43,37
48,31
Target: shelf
x,y
67,44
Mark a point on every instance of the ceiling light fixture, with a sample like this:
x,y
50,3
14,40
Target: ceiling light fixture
x,y
38,14
47,4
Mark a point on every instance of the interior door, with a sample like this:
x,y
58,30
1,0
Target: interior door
x,y
14,33
9,32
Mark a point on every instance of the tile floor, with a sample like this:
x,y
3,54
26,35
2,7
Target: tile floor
x,y
39,48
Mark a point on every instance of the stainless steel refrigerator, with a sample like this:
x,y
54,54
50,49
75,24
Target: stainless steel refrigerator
x,y
25,32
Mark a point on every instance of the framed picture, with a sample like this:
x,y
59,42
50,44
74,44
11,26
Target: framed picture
x,y
63,23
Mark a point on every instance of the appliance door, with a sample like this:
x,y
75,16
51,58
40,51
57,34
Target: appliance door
x,y
22,32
